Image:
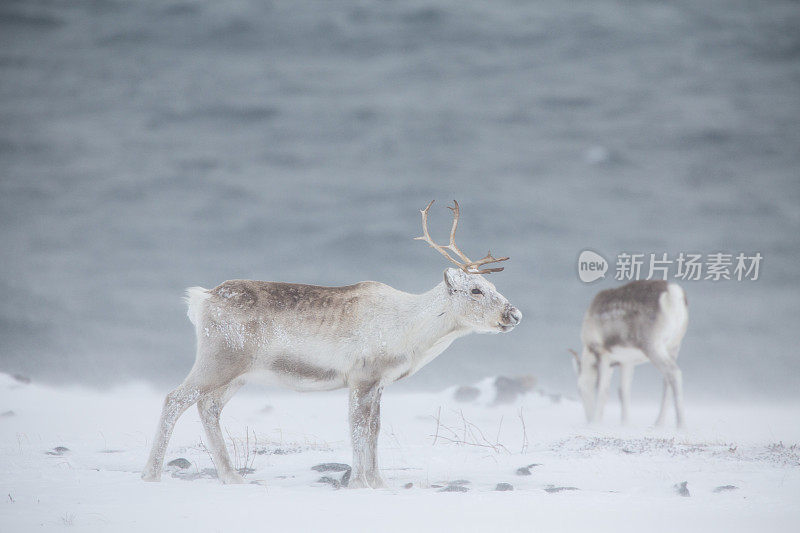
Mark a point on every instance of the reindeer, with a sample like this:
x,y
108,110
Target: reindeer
x,y
311,338
626,326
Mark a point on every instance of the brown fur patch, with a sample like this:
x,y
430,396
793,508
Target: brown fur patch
x,y
295,367
271,296
633,309
636,296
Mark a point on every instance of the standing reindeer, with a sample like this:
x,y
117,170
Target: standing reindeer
x,y
311,338
638,322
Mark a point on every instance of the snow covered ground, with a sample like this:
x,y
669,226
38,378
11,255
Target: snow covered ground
x,y
606,478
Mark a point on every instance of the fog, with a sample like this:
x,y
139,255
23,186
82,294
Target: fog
x,y
150,146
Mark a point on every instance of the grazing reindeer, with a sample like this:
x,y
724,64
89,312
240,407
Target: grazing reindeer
x,y
638,322
310,338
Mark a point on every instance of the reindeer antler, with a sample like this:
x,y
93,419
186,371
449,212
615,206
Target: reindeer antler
x,y
469,266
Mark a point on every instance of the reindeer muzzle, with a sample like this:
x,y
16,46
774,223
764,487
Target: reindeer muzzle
x,y
512,316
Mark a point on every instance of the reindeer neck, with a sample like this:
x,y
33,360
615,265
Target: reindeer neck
x,y
432,326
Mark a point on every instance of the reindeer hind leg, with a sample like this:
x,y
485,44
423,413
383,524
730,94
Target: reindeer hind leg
x,y
175,404
673,382
211,374
210,408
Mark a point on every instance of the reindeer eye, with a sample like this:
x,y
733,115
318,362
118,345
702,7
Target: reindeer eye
x,y
477,291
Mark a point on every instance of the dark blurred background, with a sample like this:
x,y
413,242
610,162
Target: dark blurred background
x,y
149,146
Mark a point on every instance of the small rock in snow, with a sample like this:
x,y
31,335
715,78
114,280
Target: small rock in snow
x,y
553,489
681,489
440,484
408,485
454,488
725,488
21,379
7,414
330,467
507,389
58,450
526,470
344,481
180,463
334,467
206,473
466,393
502,487
335,483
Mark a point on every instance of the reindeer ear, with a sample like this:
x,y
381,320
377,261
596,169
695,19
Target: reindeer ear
x,y
448,279
452,278
576,361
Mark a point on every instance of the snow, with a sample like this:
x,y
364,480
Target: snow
x,y
626,478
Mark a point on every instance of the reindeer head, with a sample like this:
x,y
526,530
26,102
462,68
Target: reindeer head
x,y
585,366
474,300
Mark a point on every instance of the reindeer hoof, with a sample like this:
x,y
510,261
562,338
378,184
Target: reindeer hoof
x,y
151,477
366,482
358,483
232,478
377,483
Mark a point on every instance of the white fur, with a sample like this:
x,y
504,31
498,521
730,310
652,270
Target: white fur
x,y
195,298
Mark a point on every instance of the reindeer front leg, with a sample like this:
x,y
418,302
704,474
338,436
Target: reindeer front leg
x,y
365,424
603,381
625,380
